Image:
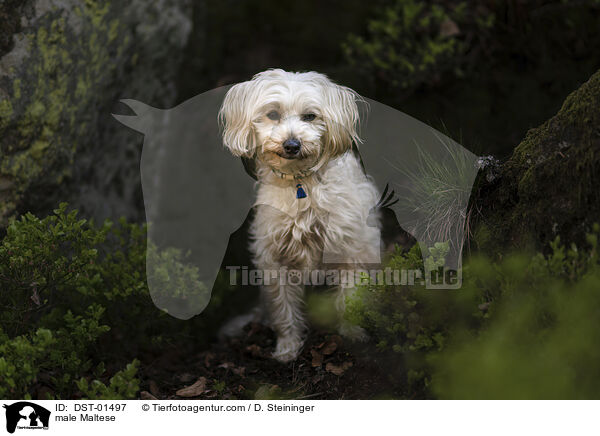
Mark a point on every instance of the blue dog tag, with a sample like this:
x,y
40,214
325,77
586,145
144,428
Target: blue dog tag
x,y
300,192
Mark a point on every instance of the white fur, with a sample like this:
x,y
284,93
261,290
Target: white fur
x,y
330,224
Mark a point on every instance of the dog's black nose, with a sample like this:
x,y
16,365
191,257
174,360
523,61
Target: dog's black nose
x,y
291,146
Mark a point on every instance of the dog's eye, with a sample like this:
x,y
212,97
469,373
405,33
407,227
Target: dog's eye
x,y
273,115
308,117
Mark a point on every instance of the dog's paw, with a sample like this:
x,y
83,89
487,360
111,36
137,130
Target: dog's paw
x,y
288,348
353,332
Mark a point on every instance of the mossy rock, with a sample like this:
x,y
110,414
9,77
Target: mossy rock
x,y
62,73
549,186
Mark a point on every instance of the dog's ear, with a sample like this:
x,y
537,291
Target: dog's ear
x,y
235,117
340,112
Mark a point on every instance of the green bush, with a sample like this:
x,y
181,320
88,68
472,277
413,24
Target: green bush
x,y
541,338
122,385
77,320
409,43
524,326
54,356
74,296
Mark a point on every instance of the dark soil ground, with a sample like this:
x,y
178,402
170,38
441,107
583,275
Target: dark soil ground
x,y
328,368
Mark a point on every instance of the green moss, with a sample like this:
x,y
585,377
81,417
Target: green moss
x,y
113,30
6,111
549,186
17,89
37,149
64,74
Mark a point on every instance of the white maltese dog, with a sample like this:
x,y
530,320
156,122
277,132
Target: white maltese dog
x,y
313,195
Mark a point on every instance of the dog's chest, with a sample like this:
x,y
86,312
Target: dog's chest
x,y
330,219
290,229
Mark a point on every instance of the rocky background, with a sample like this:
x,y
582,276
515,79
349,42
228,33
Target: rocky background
x,y
483,72
64,66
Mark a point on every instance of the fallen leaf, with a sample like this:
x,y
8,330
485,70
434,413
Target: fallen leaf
x,y
236,370
329,348
241,371
194,390
145,395
317,358
338,370
154,388
207,359
254,350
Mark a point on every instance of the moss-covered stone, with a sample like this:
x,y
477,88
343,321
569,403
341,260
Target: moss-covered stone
x,y
68,66
550,185
10,11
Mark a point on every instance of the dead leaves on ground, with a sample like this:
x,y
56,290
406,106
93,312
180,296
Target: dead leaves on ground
x,y
200,387
325,349
194,390
338,370
154,388
254,350
208,358
223,377
331,345
317,358
154,393
237,370
145,395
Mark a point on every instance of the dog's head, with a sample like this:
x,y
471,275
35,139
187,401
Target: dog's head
x,y
290,121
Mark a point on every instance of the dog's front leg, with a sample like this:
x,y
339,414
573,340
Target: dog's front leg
x,y
285,308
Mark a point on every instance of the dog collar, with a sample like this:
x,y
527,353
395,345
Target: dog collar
x,y
300,193
287,176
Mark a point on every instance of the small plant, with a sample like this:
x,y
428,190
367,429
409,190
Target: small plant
x,y
122,386
49,357
437,193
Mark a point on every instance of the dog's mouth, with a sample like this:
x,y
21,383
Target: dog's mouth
x,y
289,156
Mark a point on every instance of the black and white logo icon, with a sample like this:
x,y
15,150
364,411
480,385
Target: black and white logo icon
x,y
26,415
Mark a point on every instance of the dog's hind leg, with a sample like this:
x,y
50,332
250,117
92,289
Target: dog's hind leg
x,y
235,326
